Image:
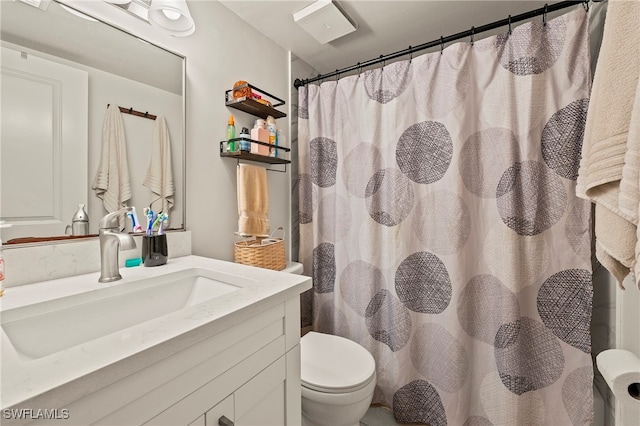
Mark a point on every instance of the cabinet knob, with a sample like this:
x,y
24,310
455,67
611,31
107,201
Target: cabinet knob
x,y
224,421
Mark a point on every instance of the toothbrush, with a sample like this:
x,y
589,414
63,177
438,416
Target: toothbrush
x,y
145,211
149,214
165,218
157,220
133,221
135,227
136,223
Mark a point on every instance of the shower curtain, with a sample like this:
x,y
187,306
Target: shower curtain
x,y
439,220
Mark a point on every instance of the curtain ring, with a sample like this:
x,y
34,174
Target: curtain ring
x,y
359,69
337,75
441,45
473,30
509,24
383,62
585,4
410,54
544,15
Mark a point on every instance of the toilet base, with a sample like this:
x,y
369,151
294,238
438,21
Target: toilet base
x,y
308,422
332,409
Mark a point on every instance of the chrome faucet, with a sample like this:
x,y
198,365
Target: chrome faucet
x,y
112,240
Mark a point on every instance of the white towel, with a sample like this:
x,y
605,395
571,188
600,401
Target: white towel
x,y
610,164
253,200
159,177
112,183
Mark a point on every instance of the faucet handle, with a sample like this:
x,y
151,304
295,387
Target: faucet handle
x,y
110,220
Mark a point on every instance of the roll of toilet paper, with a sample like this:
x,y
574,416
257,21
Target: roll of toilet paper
x,y
621,371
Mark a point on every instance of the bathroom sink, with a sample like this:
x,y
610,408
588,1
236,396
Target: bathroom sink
x,y
48,327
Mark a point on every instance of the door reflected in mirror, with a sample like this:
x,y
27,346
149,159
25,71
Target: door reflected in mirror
x,y
59,73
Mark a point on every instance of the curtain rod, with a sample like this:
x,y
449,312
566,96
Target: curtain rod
x,y
443,40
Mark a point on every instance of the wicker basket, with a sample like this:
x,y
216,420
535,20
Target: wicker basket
x,y
263,254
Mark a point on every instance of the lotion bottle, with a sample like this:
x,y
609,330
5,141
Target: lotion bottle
x,y
260,133
231,133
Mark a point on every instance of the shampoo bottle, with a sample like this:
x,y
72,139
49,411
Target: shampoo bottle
x,y
231,133
260,133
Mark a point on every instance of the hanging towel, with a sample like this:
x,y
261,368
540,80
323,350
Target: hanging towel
x,y
253,200
159,177
112,183
610,164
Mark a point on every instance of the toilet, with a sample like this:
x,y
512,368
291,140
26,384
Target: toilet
x,y
338,379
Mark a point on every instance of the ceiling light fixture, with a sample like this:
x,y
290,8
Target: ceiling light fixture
x,y
324,21
171,16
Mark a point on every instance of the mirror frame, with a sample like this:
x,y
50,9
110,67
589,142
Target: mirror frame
x,y
183,136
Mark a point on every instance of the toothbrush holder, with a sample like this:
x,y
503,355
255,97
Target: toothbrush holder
x,y
154,250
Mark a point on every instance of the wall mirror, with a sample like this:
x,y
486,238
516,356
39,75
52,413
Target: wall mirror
x,y
59,72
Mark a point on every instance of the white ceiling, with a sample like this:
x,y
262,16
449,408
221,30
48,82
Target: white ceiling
x,y
383,27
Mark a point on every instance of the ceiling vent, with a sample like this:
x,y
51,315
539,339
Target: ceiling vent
x,y
324,21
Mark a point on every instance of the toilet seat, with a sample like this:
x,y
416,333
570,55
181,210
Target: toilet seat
x,y
333,364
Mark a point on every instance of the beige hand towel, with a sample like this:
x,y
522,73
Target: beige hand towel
x,y
610,163
253,200
159,177
112,183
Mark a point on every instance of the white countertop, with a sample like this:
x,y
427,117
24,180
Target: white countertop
x,y
57,379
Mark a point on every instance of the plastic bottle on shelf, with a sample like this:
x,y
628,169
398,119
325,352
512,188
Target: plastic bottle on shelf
x,y
245,144
261,134
231,133
282,141
271,127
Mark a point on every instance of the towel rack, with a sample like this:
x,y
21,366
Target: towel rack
x,y
248,156
136,113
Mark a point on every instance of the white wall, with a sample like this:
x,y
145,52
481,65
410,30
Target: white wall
x,y
222,50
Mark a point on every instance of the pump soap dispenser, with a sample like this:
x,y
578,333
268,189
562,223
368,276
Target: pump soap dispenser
x,y
79,223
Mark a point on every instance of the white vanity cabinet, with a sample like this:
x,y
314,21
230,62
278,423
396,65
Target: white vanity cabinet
x,y
249,373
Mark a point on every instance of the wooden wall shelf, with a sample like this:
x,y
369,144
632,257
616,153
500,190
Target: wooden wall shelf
x,y
253,107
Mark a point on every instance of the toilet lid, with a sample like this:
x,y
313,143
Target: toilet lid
x,y
333,364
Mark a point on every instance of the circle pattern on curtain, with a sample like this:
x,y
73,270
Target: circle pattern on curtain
x,y
530,198
424,151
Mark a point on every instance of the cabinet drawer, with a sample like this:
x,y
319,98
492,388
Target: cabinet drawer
x,y
200,364
217,390
261,401
225,408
